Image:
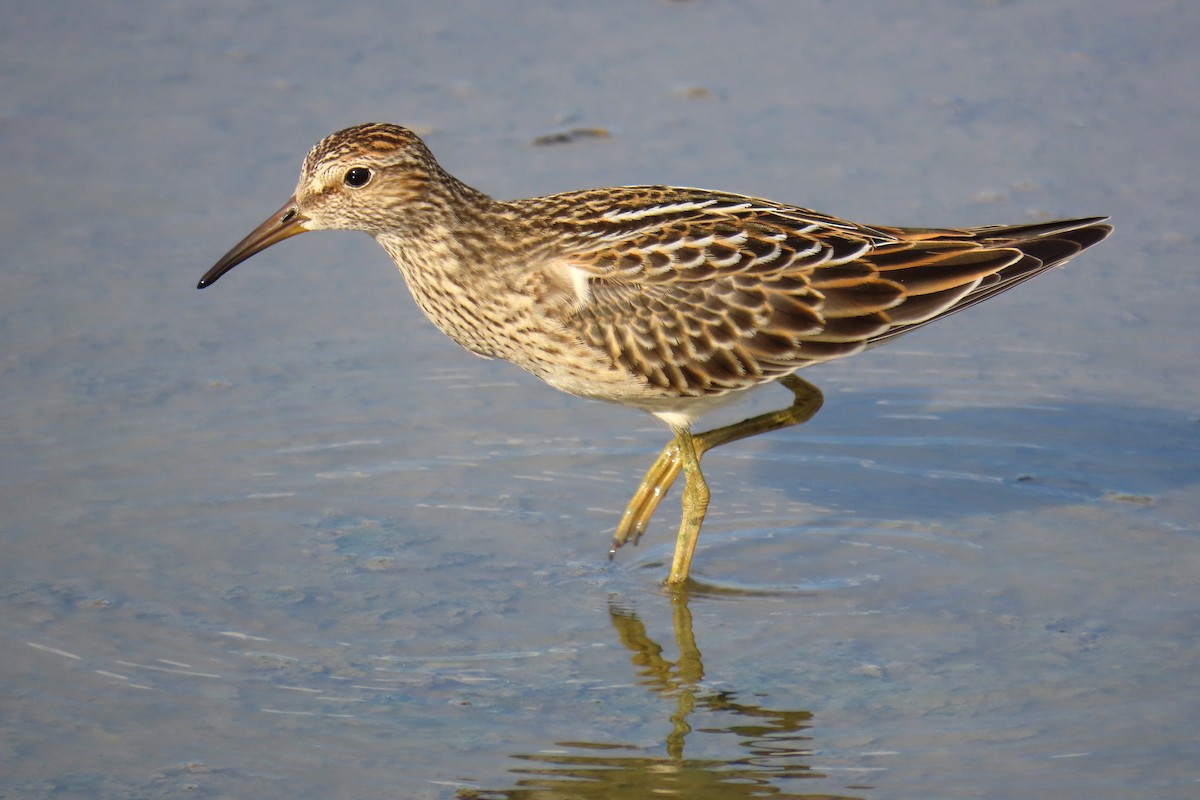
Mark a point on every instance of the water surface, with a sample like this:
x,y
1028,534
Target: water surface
x,y
281,539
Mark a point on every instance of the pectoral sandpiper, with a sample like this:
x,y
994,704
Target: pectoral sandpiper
x,y
662,298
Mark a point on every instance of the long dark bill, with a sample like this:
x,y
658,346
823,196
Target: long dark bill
x,y
283,224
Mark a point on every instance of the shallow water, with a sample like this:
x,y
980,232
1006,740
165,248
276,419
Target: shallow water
x,y
281,539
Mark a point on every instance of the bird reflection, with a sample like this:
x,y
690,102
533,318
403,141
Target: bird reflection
x,y
768,748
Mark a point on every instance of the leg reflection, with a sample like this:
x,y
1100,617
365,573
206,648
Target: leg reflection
x,y
767,750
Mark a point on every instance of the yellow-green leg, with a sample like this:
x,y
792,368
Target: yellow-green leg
x,y
695,505
685,453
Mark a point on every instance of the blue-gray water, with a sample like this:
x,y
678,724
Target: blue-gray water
x,y
281,539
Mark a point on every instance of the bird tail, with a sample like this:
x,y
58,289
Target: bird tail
x,y
1033,248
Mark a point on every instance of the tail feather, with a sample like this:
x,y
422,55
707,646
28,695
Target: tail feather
x,y
1035,248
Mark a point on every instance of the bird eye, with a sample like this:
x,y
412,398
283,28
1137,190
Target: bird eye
x,y
357,177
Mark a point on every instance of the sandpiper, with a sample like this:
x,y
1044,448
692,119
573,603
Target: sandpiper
x,y
663,298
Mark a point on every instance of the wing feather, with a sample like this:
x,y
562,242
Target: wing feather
x,y
704,293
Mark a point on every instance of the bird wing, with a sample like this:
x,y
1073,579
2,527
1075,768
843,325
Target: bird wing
x,y
704,293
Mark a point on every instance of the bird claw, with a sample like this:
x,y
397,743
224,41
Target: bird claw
x,y
630,537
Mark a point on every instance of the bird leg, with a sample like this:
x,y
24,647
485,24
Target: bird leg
x,y
695,505
666,467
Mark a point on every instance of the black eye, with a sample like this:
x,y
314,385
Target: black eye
x,y
357,176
